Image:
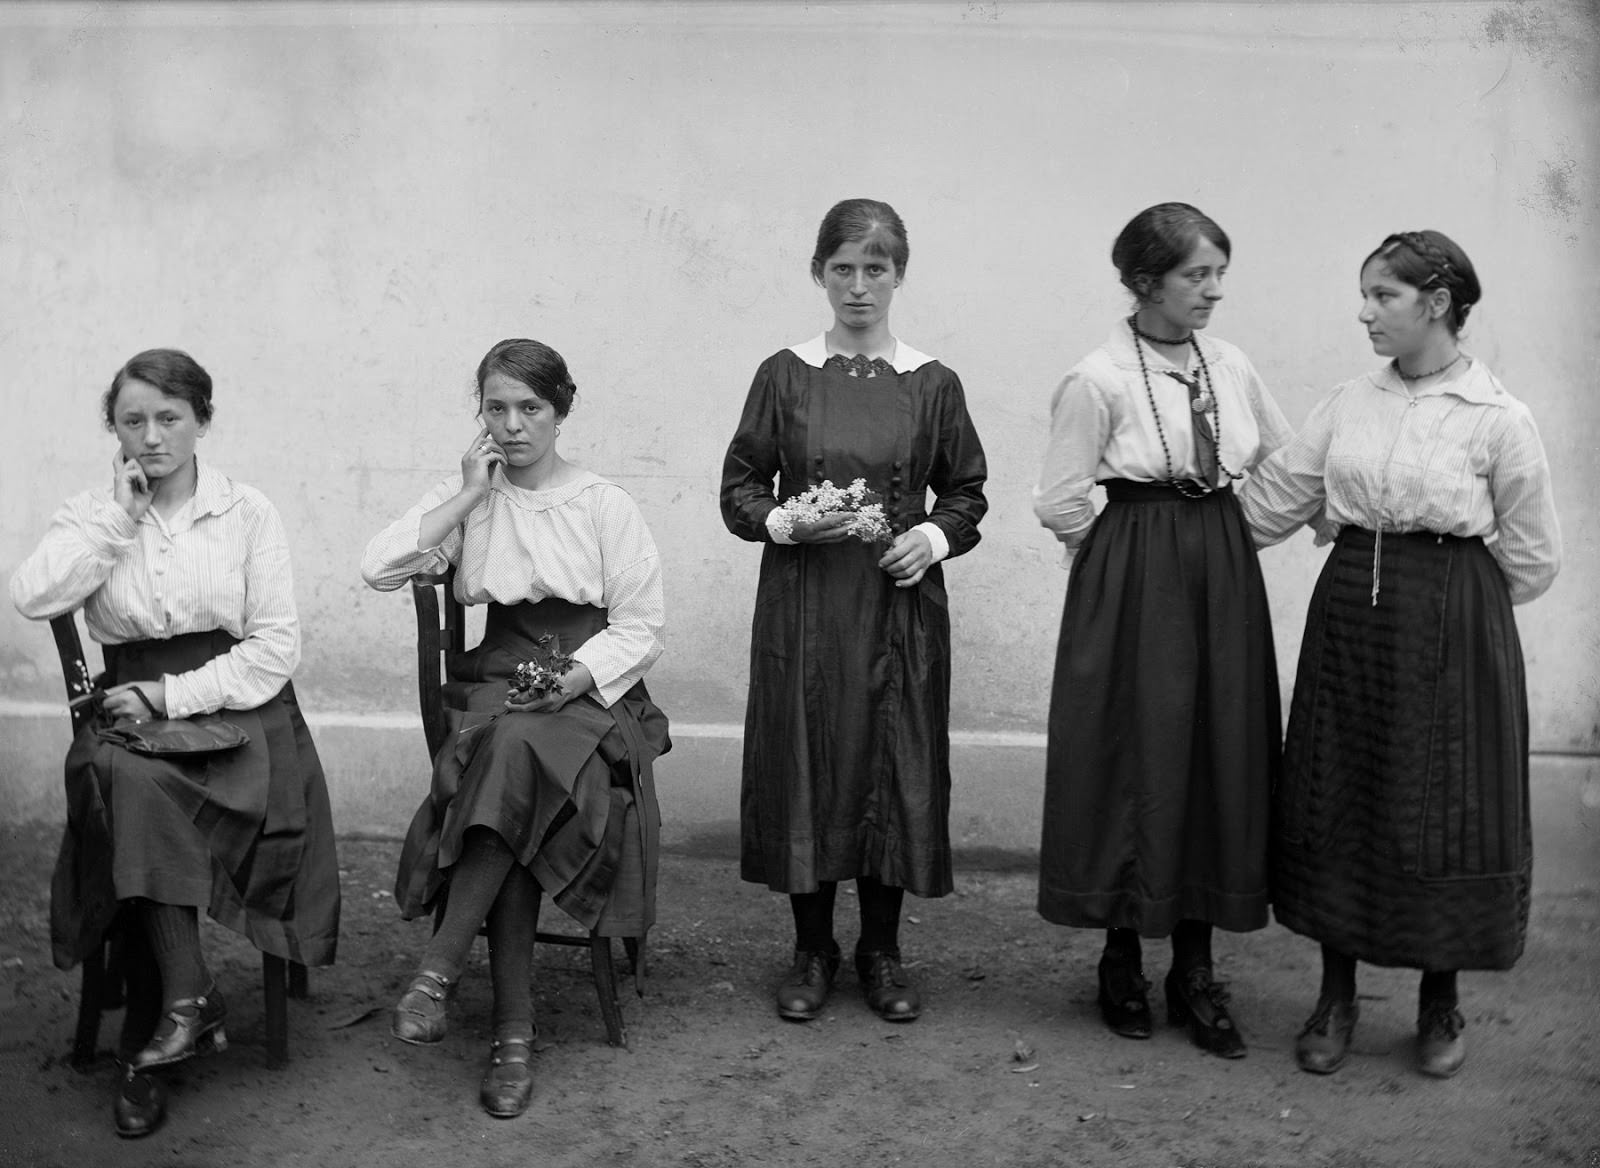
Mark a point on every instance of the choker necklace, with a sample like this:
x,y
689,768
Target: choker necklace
x,y
1404,376
1133,323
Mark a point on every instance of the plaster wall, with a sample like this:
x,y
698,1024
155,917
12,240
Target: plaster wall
x,y
338,208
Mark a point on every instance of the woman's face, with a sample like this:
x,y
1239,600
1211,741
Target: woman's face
x,y
1187,294
521,421
1399,317
156,431
860,285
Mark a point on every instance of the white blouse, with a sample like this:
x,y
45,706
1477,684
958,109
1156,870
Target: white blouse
x,y
1460,457
583,542
220,562
1102,426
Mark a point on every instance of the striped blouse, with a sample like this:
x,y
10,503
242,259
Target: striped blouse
x,y
583,542
1461,457
220,562
1102,425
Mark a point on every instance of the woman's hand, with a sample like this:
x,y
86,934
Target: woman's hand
x,y
575,682
908,558
831,528
477,462
130,488
123,705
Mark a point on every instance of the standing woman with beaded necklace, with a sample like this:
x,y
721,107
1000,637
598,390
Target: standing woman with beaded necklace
x,y
1164,723
1401,828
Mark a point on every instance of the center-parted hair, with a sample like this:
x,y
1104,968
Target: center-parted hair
x,y
1160,238
172,371
1431,259
533,364
857,219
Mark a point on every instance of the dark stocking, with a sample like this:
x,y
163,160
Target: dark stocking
x,y
1338,976
141,989
813,918
1122,948
1438,987
174,933
512,923
1191,946
880,916
475,882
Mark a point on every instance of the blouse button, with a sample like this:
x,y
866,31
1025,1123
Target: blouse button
x,y
899,465
895,482
894,496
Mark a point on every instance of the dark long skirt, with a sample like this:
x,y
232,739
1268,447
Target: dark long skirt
x,y
572,793
846,744
1164,722
1402,831
245,834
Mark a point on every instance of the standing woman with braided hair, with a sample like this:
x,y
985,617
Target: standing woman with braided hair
x,y
1401,827
1164,724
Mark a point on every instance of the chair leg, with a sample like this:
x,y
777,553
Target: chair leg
x,y
90,1000
299,986
275,978
605,986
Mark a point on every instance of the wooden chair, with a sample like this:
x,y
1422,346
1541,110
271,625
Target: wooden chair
x,y
441,632
102,976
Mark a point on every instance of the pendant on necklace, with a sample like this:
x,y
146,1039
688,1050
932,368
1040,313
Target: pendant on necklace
x,y
1202,402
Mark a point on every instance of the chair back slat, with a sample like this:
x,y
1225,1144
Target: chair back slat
x,y
74,668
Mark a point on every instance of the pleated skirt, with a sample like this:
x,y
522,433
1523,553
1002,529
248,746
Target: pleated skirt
x,y
245,834
1402,830
572,793
1164,729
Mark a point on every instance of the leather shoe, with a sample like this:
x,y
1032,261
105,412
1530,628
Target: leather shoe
x,y
508,1083
803,992
1324,1041
1440,1048
190,1026
888,992
1196,1001
419,1015
141,1105
1123,1001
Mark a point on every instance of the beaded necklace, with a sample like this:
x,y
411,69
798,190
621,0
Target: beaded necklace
x,y
1206,401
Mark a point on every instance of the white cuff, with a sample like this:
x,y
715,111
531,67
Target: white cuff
x,y
774,529
936,540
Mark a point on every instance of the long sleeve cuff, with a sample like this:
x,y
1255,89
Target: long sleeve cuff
x,y
936,540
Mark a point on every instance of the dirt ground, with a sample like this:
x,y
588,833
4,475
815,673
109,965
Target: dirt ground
x,y
1008,1066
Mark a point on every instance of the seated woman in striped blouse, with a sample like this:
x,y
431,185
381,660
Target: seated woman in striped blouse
x,y
183,576
530,793
1402,824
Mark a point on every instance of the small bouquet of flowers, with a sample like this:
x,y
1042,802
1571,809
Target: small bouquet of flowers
x,y
865,506
538,679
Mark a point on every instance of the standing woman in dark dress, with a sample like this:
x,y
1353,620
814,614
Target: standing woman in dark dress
x,y
1401,833
846,749
183,577
1164,730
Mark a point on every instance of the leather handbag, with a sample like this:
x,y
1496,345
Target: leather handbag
x,y
202,734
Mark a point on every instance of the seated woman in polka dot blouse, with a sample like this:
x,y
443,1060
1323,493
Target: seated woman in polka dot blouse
x,y
530,793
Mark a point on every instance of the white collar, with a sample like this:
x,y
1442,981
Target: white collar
x,y
1474,384
815,354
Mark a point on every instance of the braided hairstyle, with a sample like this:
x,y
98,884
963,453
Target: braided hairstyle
x,y
1431,259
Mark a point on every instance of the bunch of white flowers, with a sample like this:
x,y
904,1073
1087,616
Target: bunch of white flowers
x,y
865,507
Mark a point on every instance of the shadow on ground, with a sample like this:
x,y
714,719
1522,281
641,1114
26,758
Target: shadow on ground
x,y
1009,1065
